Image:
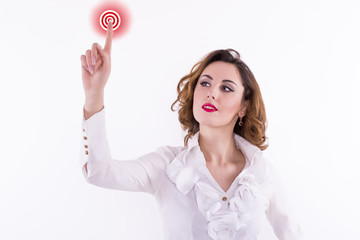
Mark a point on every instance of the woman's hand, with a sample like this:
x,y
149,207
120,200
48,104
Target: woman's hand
x,y
96,67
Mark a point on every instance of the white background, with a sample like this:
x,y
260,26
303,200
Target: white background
x,y
304,54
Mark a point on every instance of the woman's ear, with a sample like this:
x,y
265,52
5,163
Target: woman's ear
x,y
244,107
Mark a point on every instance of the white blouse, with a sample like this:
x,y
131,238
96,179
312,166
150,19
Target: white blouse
x,y
192,204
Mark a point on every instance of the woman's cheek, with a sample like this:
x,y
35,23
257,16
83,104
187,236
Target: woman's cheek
x,y
232,105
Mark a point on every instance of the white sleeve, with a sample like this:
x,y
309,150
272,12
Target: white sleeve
x,y
278,213
142,174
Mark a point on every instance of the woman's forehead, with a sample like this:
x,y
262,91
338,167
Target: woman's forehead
x,y
222,70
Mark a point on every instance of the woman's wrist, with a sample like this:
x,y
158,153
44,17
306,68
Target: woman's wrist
x,y
92,106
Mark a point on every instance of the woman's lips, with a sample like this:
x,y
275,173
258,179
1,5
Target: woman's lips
x,y
208,107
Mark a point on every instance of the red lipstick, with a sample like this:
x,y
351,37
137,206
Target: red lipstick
x,y
208,107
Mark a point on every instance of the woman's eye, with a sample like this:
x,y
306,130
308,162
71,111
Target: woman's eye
x,y
202,83
228,89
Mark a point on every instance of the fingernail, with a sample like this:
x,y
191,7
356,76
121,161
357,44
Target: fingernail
x,y
93,60
91,70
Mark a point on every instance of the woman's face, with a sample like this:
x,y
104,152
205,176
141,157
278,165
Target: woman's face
x,y
219,84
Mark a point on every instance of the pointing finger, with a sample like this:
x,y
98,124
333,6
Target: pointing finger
x,y
109,35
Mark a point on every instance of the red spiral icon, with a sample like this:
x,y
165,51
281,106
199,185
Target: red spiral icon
x,y
107,16
112,10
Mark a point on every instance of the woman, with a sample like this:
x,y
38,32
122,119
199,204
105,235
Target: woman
x,y
218,185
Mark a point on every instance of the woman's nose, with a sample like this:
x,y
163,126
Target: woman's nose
x,y
212,93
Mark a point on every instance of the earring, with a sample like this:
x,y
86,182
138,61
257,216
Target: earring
x,y
240,122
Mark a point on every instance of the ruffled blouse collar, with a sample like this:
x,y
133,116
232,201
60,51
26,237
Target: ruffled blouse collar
x,y
189,166
247,148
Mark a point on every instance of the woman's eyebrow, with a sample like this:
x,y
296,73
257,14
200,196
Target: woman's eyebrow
x,y
225,80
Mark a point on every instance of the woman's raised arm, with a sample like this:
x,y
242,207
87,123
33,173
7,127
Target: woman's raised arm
x,y
96,68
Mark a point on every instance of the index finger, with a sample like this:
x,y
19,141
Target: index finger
x,y
109,35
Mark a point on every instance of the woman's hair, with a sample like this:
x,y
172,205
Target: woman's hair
x,y
254,121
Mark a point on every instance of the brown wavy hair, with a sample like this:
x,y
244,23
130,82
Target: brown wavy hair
x,y
254,121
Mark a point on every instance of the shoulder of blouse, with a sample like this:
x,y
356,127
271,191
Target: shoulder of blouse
x,y
168,153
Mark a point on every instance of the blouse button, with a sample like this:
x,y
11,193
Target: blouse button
x,y
86,146
85,138
83,130
87,152
224,198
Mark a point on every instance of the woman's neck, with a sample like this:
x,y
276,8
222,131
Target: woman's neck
x,y
218,146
